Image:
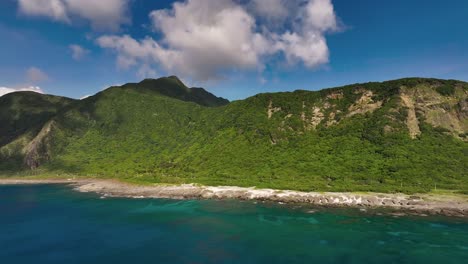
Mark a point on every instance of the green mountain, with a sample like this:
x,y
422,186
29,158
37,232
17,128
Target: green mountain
x,y
174,88
405,135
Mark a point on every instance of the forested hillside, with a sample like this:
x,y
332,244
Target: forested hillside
x,y
405,135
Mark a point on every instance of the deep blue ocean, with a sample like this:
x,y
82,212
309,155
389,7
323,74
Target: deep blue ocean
x,y
53,224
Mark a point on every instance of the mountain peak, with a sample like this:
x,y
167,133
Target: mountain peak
x,y
173,77
173,87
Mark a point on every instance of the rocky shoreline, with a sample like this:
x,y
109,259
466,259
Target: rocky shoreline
x,y
424,204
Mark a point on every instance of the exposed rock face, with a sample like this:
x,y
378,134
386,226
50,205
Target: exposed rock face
x,y
364,104
271,110
303,115
447,112
326,109
411,120
331,119
317,117
462,111
37,150
335,95
421,103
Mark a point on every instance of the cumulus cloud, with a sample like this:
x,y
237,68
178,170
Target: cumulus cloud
x,y
320,15
102,14
35,75
54,9
78,52
6,90
202,39
272,9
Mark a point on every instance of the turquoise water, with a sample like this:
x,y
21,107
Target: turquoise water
x,y
52,224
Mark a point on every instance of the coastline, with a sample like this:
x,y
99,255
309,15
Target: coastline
x,y
418,204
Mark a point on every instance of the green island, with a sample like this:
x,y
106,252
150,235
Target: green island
x,y
408,135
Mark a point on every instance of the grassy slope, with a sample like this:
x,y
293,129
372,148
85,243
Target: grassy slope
x,y
140,135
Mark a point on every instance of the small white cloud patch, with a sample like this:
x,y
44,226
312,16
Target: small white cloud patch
x,y
35,75
78,52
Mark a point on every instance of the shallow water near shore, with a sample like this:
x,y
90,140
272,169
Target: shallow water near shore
x,y
54,224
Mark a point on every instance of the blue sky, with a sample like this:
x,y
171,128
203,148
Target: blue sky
x,y
234,48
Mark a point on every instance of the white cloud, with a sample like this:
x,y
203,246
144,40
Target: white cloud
x,y
54,9
102,14
146,71
202,39
78,52
6,90
309,48
320,15
272,9
35,75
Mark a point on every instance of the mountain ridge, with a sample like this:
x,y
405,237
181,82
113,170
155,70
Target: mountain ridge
x,y
383,136
173,87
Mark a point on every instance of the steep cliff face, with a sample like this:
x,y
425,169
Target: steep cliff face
x,y
422,102
37,151
445,111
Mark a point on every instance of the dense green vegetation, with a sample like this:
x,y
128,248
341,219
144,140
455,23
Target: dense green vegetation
x,y
23,111
144,132
446,90
174,88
